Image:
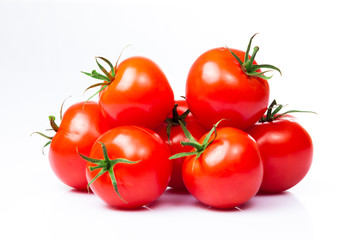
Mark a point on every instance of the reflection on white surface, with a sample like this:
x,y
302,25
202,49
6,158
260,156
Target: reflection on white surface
x,y
280,216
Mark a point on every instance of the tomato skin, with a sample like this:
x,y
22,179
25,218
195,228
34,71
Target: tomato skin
x,y
139,95
81,125
140,183
286,150
228,173
176,136
217,88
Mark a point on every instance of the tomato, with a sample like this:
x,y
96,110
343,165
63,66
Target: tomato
x,y
173,140
222,85
81,125
136,92
286,151
225,172
137,167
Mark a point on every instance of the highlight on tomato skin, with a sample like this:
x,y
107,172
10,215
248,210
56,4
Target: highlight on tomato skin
x,y
143,170
80,126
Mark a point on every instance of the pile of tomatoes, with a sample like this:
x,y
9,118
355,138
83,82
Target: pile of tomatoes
x,y
222,143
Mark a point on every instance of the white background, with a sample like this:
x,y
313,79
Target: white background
x,y
45,44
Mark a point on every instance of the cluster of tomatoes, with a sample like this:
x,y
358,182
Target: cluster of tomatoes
x,y
222,143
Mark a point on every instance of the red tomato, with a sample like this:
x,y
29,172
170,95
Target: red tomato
x,y
229,171
138,94
81,125
139,183
176,136
217,88
286,150
228,84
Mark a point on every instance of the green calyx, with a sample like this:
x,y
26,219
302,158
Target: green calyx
x,y
106,77
106,165
273,112
199,148
247,65
53,125
175,120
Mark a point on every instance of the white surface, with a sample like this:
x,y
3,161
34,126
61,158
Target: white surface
x,y
45,44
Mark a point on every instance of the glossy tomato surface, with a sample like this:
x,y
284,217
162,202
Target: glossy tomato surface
x,y
139,95
140,183
229,171
176,136
81,125
286,150
217,88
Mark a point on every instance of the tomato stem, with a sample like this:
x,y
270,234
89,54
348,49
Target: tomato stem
x,y
249,62
249,46
54,127
199,148
61,108
175,120
106,77
117,61
248,66
273,115
45,136
106,165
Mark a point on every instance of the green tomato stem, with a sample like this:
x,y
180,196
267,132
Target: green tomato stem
x,y
106,165
247,65
273,115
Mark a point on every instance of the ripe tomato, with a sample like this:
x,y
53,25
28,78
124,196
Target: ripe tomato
x,y
81,125
226,172
173,140
136,92
224,84
286,151
137,167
